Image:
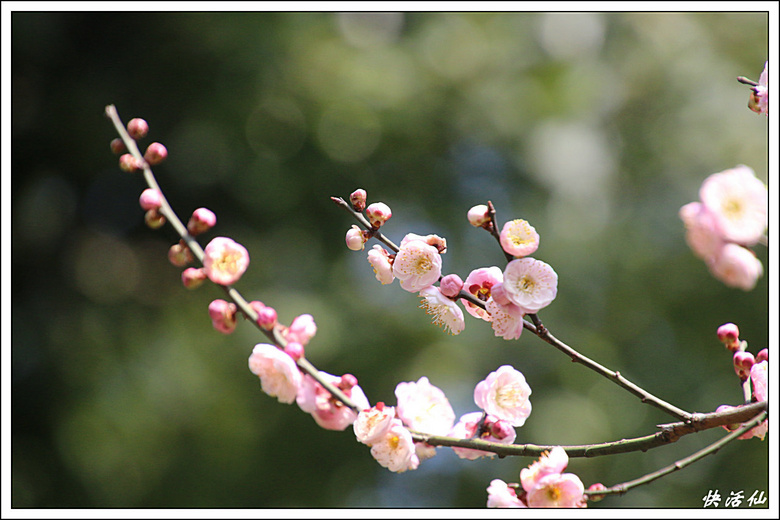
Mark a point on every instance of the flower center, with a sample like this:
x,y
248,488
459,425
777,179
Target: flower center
x,y
509,396
423,265
228,261
526,284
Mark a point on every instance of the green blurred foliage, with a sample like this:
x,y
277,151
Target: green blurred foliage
x,y
595,127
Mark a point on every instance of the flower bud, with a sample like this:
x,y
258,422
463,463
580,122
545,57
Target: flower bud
x,y
150,199
192,277
202,220
451,285
500,429
763,355
223,316
592,492
498,293
743,362
728,334
356,241
128,163
155,153
118,146
348,381
478,215
266,318
294,350
154,219
358,200
137,128
378,213
180,255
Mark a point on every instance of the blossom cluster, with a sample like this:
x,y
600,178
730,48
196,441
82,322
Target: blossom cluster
x,y
422,407
752,373
525,286
730,216
542,484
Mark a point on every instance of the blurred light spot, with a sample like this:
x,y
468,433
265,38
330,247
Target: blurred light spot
x,y
104,268
455,47
571,35
276,125
370,29
44,210
349,132
202,154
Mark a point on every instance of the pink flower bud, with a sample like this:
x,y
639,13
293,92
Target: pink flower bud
x,y
358,199
743,362
128,163
223,316
294,350
257,306
155,153
192,277
150,199
500,429
154,219
728,334
118,146
180,255
478,215
348,381
202,220
137,128
355,239
266,318
378,213
763,355
593,490
451,285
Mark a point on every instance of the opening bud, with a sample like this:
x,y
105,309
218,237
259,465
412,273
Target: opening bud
x,y
267,318
180,255
223,316
355,238
202,220
743,362
294,350
378,213
128,163
763,355
478,215
155,153
154,219
358,199
137,128
192,277
728,334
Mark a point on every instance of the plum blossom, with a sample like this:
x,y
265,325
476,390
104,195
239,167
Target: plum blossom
x,y
301,330
737,201
759,95
530,284
378,213
379,259
278,373
758,374
432,240
395,450
329,412
417,265
736,267
445,311
504,394
547,486
551,462
519,238
225,260
701,233
472,426
479,283
501,495
759,431
424,407
372,423
506,320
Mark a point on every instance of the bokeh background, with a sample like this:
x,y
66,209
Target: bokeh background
x,y
594,127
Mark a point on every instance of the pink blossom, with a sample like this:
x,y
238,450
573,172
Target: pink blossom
x,y
278,373
759,431
506,320
417,265
395,450
202,220
432,240
380,261
372,423
737,200
758,374
378,213
301,330
759,99
557,490
478,215
763,355
491,430
736,267
479,283
451,285
501,495
445,312
728,334
424,407
355,239
504,394
551,462
743,362
358,199
530,284
223,315
225,260
329,412
519,238
700,232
